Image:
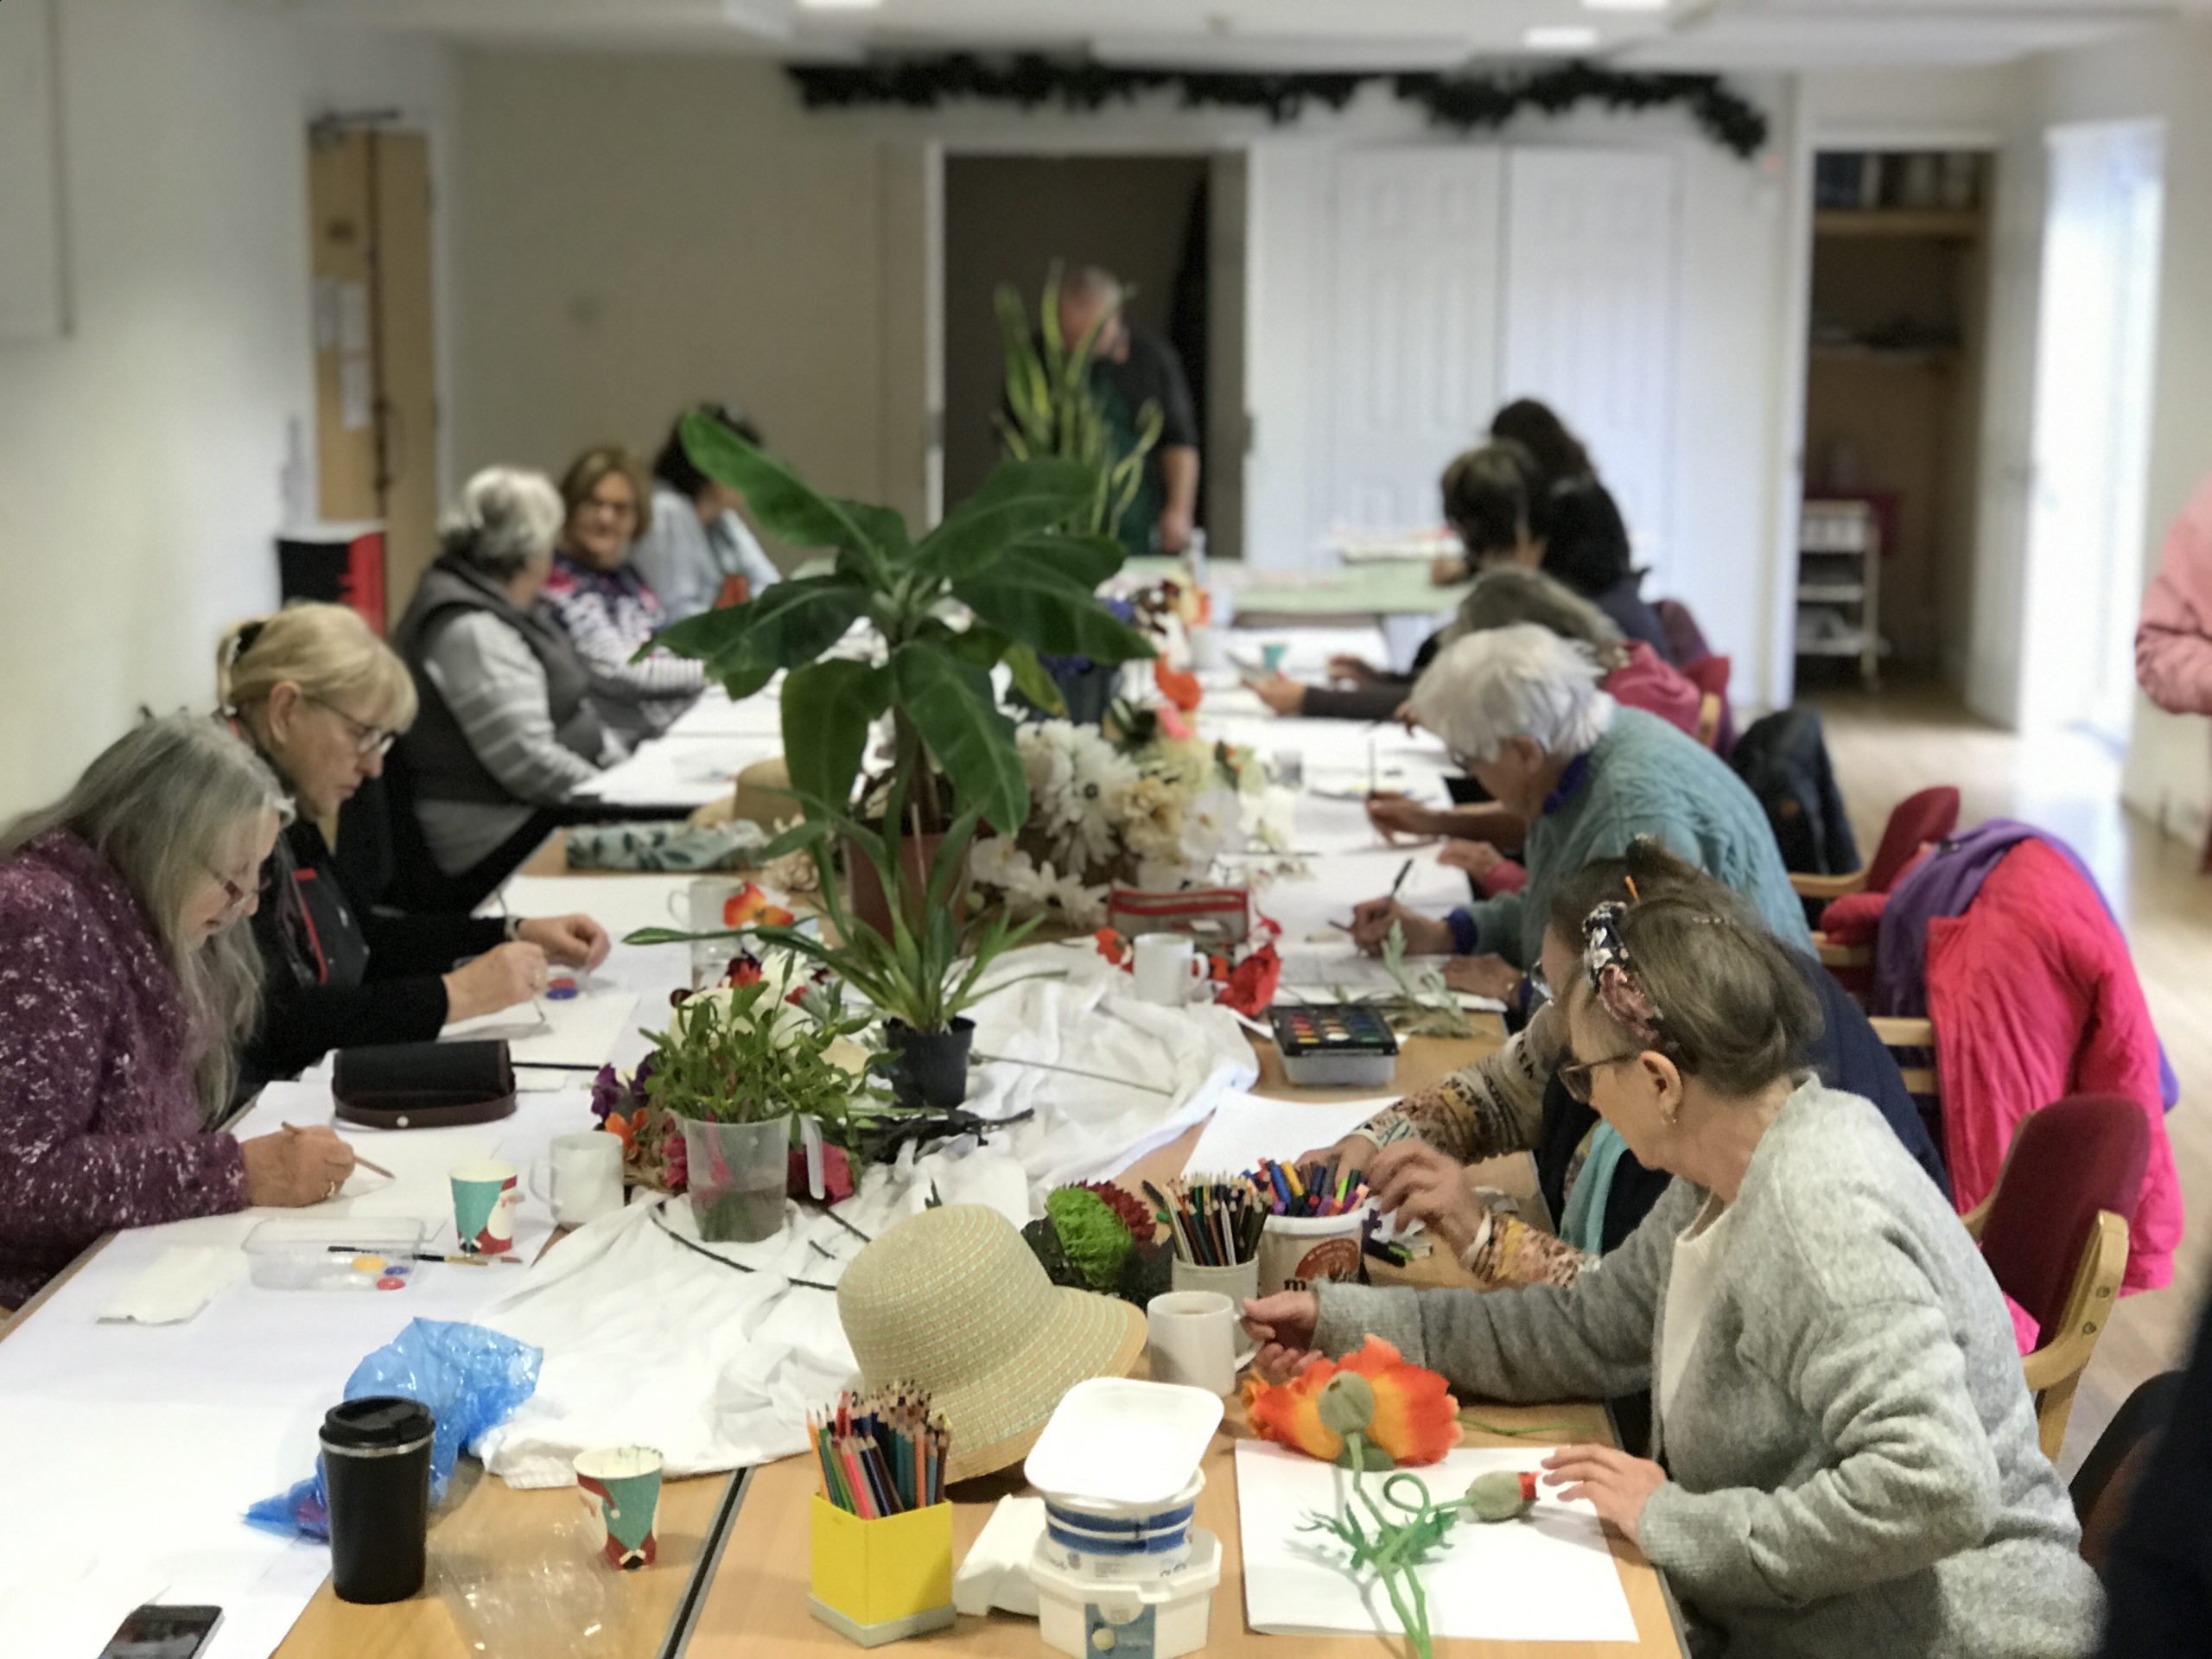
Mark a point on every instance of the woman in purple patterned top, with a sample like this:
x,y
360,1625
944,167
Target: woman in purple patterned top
x,y
124,982
604,605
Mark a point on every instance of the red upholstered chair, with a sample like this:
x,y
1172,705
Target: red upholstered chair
x,y
2054,1231
1918,820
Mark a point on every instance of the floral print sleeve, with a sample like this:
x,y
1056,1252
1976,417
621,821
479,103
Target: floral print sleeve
x,y
1494,1106
1508,1251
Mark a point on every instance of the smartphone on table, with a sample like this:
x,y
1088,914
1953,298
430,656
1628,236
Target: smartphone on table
x,y
155,1632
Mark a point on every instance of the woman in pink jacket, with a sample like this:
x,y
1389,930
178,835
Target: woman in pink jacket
x,y
2173,645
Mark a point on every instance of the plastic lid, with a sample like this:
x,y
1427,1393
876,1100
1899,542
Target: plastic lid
x,y
378,1421
1118,1440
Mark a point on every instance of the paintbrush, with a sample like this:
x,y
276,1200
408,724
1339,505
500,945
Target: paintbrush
x,y
374,1168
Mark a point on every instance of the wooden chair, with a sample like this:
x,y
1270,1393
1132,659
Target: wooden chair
x,y
1906,1038
2054,1231
1919,821
1709,710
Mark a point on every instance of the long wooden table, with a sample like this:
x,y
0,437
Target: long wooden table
x,y
755,1603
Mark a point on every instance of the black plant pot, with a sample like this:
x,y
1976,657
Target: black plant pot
x,y
932,1070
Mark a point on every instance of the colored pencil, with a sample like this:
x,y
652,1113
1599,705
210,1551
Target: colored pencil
x,y
881,1454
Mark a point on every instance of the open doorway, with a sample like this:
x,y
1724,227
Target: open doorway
x,y
1155,221
2094,339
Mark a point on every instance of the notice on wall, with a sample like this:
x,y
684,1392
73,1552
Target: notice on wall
x,y
353,317
356,393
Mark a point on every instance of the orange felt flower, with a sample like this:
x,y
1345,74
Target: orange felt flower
x,y
1179,689
749,906
1416,1420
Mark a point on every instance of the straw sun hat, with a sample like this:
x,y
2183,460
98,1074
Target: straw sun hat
x,y
952,1300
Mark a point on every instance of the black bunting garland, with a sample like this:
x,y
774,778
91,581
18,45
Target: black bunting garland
x,y
1463,102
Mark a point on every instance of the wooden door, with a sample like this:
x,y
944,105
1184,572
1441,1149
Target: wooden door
x,y
1416,326
376,389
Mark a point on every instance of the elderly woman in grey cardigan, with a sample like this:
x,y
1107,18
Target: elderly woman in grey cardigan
x,y
1845,1453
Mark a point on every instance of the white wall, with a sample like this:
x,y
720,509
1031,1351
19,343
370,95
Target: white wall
x,y
2158,75
142,456
643,232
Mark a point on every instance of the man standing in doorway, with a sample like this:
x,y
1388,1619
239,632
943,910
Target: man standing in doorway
x,y
1131,367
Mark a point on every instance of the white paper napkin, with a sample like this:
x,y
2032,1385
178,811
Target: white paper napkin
x,y
997,1571
180,1281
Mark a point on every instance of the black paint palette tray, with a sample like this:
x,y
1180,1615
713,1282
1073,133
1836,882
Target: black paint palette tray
x,y
1333,1047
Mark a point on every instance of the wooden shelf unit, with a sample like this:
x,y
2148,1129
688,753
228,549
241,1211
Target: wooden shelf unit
x,y
1840,570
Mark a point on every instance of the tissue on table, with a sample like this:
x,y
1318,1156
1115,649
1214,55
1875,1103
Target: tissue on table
x,y
177,1284
997,1571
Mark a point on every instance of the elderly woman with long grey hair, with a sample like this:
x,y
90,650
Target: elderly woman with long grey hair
x,y
125,981
506,730
1521,710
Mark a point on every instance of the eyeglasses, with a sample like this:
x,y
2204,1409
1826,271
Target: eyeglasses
x,y
367,740
624,509
234,896
1577,1076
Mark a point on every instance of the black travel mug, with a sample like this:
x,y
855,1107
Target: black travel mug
x,y
376,1465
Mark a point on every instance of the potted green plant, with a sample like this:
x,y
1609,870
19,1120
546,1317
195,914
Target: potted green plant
x,y
923,969
736,1068
1053,409
1005,577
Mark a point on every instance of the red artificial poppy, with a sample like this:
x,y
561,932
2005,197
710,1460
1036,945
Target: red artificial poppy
x,y
1178,687
1415,1421
749,906
1112,946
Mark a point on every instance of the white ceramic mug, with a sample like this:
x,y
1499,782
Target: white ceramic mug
x,y
1191,1337
580,1177
1167,970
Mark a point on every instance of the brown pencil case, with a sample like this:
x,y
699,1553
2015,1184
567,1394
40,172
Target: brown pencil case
x,y
423,1085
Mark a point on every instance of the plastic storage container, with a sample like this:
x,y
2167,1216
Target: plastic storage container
x,y
1162,1617
363,1253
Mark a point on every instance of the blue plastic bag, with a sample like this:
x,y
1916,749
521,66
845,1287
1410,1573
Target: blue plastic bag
x,y
471,1378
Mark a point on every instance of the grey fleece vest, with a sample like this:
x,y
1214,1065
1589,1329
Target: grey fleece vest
x,y
440,765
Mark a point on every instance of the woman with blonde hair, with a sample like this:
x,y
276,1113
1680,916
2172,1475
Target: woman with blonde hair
x,y
125,979
321,698
1844,1458
608,609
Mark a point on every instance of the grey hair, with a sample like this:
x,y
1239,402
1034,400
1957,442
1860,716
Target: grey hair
x,y
507,518
1094,284
165,805
1524,681
1506,595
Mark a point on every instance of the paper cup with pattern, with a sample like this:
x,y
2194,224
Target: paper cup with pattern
x,y
484,1194
622,1484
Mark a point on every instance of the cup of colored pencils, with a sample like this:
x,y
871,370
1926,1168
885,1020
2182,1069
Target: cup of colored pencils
x,y
881,1454
1316,1214
880,1533
1214,1222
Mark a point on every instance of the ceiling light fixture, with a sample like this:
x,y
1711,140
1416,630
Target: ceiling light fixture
x,y
1626,5
1560,37
839,5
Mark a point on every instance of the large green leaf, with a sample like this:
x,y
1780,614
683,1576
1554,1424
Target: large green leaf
x,y
1046,609
791,623
1087,559
784,504
1019,498
828,707
950,704
1031,681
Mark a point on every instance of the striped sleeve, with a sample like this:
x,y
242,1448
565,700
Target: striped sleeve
x,y
605,652
496,690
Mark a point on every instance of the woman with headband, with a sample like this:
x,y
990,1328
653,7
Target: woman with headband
x,y
321,698
1844,1457
1416,1152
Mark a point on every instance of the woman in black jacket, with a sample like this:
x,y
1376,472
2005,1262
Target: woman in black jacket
x,y
321,698
1505,508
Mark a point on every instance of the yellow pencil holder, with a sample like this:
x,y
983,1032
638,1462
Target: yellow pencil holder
x,y
883,1581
